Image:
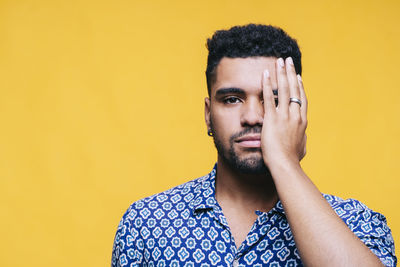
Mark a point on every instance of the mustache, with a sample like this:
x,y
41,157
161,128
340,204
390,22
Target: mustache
x,y
249,130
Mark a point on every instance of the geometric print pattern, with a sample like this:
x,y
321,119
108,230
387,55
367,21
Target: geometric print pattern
x,y
185,226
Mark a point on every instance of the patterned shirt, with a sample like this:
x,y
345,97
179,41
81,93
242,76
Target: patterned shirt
x,y
185,226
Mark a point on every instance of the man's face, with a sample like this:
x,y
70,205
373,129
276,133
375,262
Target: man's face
x,y
235,111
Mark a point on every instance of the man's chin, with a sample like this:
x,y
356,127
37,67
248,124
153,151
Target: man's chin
x,y
252,165
244,160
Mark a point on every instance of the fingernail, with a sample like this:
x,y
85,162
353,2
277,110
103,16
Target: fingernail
x,y
290,60
266,73
281,63
299,78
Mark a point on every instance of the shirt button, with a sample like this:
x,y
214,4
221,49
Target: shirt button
x,y
235,263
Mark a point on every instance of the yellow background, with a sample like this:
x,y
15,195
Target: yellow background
x,y
102,104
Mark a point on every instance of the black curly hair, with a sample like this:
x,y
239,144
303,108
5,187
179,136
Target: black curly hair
x,y
251,40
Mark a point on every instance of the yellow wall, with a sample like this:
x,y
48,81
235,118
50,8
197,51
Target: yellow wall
x,y
102,104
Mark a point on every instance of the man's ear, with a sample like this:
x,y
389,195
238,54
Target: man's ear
x,y
207,111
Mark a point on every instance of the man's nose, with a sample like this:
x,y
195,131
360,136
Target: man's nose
x,y
252,113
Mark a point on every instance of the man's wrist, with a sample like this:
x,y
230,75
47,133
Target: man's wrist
x,y
283,167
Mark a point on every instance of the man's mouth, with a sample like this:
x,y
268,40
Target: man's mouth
x,y
251,141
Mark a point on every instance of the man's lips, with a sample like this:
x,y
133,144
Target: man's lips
x,y
249,141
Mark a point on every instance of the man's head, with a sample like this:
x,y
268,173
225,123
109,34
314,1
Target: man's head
x,y
250,40
234,110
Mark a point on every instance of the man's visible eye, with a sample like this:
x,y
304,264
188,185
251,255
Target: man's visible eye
x,y
232,100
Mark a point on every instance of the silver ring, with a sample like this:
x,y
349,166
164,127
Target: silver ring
x,y
295,100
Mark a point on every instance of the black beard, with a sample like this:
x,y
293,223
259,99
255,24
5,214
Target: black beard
x,y
251,165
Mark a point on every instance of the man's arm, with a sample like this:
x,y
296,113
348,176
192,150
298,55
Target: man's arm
x,y
125,252
321,237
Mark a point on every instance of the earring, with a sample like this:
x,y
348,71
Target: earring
x,y
209,132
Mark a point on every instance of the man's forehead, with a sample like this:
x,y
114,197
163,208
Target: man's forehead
x,y
244,72
247,61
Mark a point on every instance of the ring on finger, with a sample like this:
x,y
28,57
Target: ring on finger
x,y
295,100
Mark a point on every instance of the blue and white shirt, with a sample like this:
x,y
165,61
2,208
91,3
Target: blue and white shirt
x,y
185,226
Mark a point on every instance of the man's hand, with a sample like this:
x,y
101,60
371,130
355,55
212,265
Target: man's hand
x,y
283,135
321,237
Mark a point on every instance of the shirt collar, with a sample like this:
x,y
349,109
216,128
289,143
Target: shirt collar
x,y
278,209
204,192
205,195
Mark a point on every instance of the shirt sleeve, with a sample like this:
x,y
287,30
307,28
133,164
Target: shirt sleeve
x,y
124,252
372,229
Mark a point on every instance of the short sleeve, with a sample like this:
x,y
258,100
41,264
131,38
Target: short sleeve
x,y
371,227
124,252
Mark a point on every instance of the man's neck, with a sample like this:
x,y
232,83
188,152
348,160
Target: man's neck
x,y
248,192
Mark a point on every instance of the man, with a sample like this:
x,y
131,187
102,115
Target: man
x,y
256,207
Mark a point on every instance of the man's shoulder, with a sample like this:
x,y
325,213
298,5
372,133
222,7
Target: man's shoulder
x,y
357,215
348,208
178,198
346,204
368,225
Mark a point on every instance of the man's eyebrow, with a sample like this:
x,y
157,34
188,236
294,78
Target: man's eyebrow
x,y
235,90
229,90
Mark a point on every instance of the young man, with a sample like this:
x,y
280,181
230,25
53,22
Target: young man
x,y
256,207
